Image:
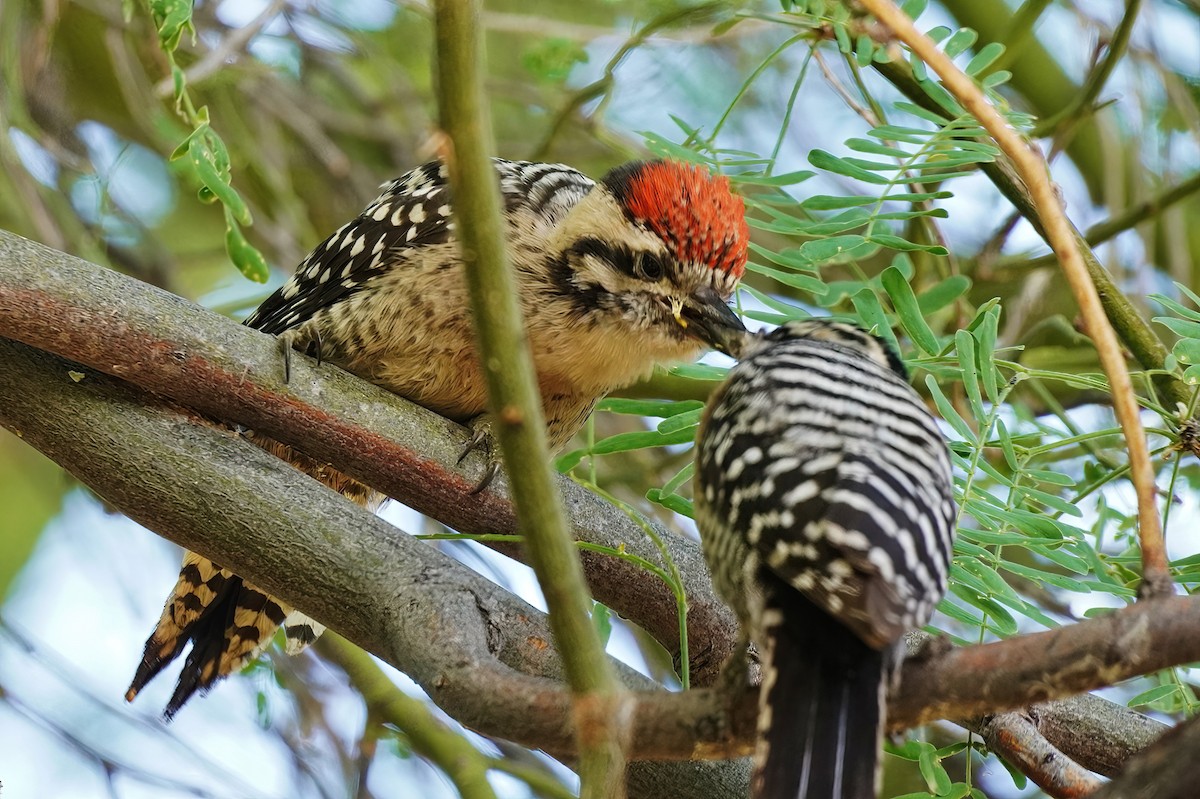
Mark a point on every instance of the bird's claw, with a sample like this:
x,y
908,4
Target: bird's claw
x,y
481,439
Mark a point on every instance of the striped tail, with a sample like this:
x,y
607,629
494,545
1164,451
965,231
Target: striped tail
x,y
821,707
227,620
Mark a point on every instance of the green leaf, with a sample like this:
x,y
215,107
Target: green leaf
x,y
998,620
202,160
1175,307
699,371
843,38
909,313
923,113
248,260
1187,350
831,163
985,336
803,282
914,8
786,179
959,613
681,477
870,310
602,621
938,34
984,58
902,134
943,293
672,502
997,78
1154,695
964,344
824,202
1051,501
904,245
680,421
172,17
625,442
947,412
827,249
789,258
1180,327
864,50
1006,445
875,148
960,42
659,408
931,770
1042,576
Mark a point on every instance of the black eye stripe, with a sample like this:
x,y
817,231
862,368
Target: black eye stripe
x,y
640,265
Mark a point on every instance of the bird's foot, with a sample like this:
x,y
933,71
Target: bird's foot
x,y
482,439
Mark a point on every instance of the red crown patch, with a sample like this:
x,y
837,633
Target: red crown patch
x,y
697,215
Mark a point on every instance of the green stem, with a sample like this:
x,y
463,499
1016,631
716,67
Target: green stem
x,y
465,765
601,708
1097,78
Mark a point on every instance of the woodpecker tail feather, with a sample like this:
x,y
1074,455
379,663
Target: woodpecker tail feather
x,y
821,708
228,622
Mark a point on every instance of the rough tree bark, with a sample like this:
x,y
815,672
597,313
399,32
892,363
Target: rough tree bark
x,y
481,653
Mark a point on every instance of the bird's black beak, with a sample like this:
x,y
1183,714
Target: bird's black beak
x,y
706,317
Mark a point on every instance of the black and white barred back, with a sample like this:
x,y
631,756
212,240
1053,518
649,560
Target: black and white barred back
x,y
826,515
411,212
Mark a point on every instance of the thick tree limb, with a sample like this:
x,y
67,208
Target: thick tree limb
x,y
482,654
1167,770
352,570
473,646
173,348
1097,734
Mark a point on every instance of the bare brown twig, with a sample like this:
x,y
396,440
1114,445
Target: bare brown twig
x,y
1034,172
1016,738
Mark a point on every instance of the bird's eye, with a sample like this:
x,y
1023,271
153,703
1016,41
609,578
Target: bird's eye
x,y
648,267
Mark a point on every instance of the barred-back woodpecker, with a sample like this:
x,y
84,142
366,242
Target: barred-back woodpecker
x,y
823,498
614,277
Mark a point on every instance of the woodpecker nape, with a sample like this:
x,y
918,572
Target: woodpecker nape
x,y
823,498
613,276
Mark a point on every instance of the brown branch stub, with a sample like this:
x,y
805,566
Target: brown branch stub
x,y
1016,738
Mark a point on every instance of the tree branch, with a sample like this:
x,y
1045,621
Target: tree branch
x,y
175,349
465,765
480,653
1016,738
1064,240
1166,770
